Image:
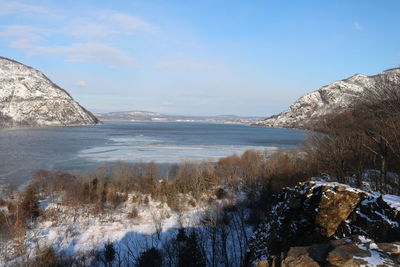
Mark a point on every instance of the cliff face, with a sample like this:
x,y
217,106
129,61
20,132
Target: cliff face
x,y
328,224
29,99
335,97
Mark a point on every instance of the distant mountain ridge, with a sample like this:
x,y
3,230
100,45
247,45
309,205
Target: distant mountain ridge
x,y
139,115
335,97
29,99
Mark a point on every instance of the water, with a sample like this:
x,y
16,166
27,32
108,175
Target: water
x,y
23,151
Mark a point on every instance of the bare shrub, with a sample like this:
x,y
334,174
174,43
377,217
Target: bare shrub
x,y
286,169
29,207
158,217
134,213
229,169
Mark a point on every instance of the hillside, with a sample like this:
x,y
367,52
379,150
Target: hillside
x,y
29,99
335,97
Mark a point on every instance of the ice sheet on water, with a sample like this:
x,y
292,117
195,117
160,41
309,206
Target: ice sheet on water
x,y
141,148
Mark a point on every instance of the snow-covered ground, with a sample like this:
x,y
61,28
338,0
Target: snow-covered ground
x,y
78,231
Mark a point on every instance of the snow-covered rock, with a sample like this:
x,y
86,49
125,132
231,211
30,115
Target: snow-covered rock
x,y
29,98
335,97
319,212
346,252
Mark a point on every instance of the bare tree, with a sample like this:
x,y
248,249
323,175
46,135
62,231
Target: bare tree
x,y
380,111
158,217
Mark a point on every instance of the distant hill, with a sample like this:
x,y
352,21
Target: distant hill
x,y
154,116
29,99
335,97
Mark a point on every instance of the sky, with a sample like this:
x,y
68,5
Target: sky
x,y
249,58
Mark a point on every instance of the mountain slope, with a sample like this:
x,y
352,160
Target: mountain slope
x,y
29,98
334,97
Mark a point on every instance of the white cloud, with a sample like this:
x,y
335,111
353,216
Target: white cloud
x,y
93,34
131,23
20,36
88,52
24,37
357,26
31,39
106,23
99,53
12,7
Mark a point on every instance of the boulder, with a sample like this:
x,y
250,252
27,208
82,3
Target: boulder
x,y
335,206
299,257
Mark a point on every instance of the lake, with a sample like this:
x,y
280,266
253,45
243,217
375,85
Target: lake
x,y
22,151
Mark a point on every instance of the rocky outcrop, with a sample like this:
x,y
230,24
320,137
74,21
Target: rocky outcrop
x,y
317,223
29,99
335,97
346,252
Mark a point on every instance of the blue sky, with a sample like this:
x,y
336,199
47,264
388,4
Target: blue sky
x,y
199,57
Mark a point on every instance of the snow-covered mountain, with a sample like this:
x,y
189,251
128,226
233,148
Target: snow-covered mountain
x,y
29,98
334,97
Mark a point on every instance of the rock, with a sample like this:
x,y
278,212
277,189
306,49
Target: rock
x,y
344,255
374,218
393,248
29,99
335,97
359,251
354,251
322,216
299,257
263,263
335,206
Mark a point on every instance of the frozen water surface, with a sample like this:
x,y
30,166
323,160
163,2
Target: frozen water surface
x,y
22,151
